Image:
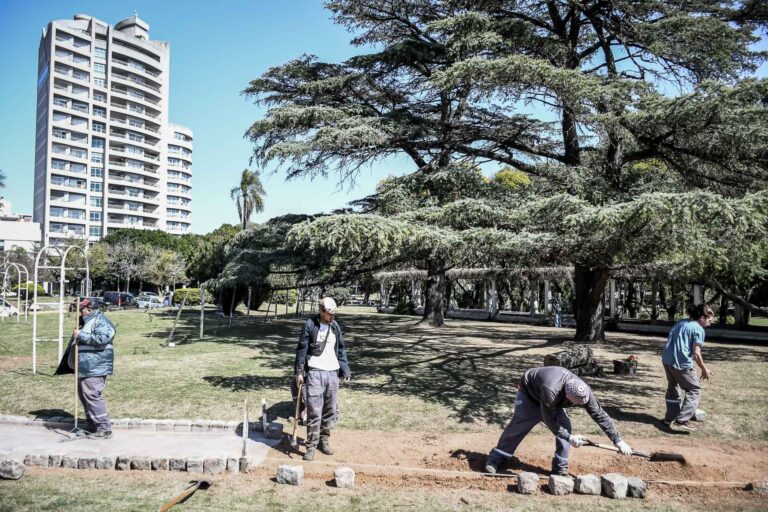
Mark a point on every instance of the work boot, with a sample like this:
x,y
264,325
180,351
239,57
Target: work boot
x,y
309,455
325,446
101,434
560,472
685,425
493,463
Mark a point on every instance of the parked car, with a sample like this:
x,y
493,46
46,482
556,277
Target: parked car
x,y
146,294
124,299
6,309
96,302
148,301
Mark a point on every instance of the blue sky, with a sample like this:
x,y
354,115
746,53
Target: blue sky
x,y
216,49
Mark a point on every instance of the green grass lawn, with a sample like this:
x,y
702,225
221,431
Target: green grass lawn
x,y
457,379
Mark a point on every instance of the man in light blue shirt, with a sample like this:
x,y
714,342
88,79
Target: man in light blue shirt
x,y
682,349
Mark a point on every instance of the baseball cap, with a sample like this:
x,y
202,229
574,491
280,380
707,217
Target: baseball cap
x,y
577,391
328,304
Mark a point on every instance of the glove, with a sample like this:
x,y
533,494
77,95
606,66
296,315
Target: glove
x,y
576,441
624,448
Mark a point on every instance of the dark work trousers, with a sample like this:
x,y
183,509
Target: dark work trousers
x,y
688,381
91,391
527,414
322,404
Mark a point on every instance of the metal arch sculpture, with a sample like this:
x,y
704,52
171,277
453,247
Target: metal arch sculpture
x,y
41,253
61,289
18,266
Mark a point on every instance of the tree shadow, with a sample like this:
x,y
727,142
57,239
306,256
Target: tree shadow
x,y
470,368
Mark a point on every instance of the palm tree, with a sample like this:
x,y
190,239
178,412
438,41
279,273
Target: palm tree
x,y
2,179
248,196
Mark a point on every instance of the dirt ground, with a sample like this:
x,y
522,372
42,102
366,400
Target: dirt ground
x,y
715,471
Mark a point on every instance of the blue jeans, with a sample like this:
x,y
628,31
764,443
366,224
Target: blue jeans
x,y
558,319
322,404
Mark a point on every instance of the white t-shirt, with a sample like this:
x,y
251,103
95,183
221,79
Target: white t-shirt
x,y
327,360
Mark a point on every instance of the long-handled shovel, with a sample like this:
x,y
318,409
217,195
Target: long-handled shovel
x,y
294,441
653,457
77,374
189,491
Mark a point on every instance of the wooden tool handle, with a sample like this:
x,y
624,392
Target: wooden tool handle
x,y
298,409
181,497
614,449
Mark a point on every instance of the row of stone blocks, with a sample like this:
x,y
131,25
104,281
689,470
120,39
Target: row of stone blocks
x,y
343,476
612,485
212,465
199,425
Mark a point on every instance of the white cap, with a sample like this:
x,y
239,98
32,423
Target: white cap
x,y
328,304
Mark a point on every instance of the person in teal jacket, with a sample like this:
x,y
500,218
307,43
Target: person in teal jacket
x,y
95,362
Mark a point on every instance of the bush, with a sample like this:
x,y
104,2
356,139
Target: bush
x,y
192,295
29,288
340,295
280,295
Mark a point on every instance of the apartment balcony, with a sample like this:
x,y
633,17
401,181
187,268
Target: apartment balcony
x,y
134,210
68,218
121,166
125,123
143,114
124,93
145,143
179,206
179,192
70,61
136,68
132,182
133,196
69,74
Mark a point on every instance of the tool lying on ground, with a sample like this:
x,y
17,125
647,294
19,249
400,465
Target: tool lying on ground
x,y
75,435
653,457
189,491
294,441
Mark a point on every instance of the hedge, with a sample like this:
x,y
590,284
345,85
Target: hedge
x,y
192,295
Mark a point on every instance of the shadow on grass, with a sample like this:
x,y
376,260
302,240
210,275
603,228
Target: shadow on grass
x,y
468,367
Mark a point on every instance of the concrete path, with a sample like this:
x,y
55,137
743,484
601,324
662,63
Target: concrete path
x,y
22,440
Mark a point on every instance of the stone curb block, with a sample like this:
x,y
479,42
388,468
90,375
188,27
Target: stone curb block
x,y
159,464
177,464
614,485
54,461
560,485
182,425
123,464
164,425
527,483
214,465
588,484
148,425
195,465
11,468
290,475
106,462
36,460
759,488
86,463
233,465
636,487
344,477
141,464
68,461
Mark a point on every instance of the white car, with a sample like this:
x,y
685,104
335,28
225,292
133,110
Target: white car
x,y
147,301
6,309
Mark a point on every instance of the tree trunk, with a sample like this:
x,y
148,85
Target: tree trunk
x,y
723,312
589,294
436,288
741,315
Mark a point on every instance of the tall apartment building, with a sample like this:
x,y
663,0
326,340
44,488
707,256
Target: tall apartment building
x,y
106,156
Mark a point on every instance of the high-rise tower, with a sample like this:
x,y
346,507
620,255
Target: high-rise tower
x,y
106,156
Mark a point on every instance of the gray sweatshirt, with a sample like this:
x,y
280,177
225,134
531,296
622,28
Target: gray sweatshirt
x,y
546,386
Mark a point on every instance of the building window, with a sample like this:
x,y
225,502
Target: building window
x,y
99,70
100,53
99,127
100,97
94,231
99,112
95,187
95,216
97,172
96,202
97,142
60,102
100,82
78,153
73,167
97,158
59,164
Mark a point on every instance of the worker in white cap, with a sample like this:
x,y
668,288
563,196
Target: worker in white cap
x,y
320,355
542,395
